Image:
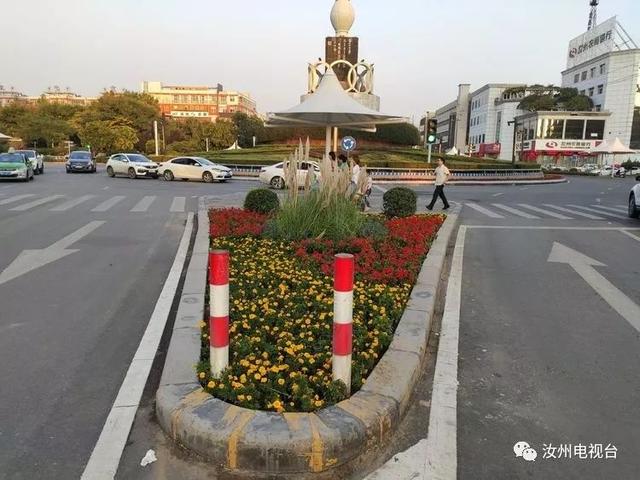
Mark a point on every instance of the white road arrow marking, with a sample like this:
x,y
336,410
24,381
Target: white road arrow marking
x,y
584,266
30,260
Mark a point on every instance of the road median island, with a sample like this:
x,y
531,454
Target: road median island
x,y
260,443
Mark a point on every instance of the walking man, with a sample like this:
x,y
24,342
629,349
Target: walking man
x,y
442,176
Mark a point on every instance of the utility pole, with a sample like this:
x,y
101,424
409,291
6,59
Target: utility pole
x,y
155,136
207,142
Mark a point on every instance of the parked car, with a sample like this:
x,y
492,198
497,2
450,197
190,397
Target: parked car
x,y
194,168
634,201
274,174
133,165
15,166
81,161
37,161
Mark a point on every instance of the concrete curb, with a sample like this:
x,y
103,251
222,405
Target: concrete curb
x,y
265,444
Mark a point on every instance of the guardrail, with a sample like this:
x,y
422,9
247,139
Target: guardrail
x,y
417,174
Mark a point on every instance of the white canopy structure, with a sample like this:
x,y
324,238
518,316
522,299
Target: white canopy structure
x,y
612,148
452,151
235,146
4,137
330,106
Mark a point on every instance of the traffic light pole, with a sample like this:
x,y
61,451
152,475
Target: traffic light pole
x,y
429,157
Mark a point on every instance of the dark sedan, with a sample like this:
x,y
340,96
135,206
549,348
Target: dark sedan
x,y
81,161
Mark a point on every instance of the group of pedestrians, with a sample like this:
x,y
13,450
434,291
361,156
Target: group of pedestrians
x,y
341,162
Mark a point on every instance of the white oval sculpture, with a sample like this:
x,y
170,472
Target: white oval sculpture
x,y
342,17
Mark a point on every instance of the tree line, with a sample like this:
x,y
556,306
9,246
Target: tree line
x,y
124,121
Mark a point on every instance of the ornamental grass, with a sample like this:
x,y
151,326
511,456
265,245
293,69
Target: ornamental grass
x,y
281,308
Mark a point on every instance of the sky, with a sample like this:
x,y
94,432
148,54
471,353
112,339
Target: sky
x,y
422,49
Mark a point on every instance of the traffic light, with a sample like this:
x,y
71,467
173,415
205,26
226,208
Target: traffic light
x,y
432,130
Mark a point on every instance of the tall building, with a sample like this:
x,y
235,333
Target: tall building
x,y
201,102
478,122
604,64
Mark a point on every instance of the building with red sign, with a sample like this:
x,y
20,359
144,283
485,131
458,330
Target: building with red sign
x,y
201,102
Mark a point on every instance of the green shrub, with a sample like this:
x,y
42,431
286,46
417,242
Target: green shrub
x,y
373,227
311,217
261,200
399,202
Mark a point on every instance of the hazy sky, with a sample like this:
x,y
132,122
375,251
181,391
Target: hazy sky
x,y
422,49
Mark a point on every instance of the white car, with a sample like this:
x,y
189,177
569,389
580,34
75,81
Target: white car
x,y
194,168
634,202
37,161
132,165
274,175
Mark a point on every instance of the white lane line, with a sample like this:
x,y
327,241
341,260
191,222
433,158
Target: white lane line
x,y
532,227
515,211
544,212
599,212
71,203
442,454
16,198
574,212
483,210
497,194
36,203
108,204
107,452
144,204
623,207
178,204
615,210
631,235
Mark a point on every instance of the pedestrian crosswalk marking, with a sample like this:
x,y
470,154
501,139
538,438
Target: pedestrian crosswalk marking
x,y
515,211
108,204
574,212
71,203
483,210
544,212
178,204
616,210
16,198
599,212
144,204
36,203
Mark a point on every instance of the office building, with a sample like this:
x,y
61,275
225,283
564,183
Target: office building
x,y
201,102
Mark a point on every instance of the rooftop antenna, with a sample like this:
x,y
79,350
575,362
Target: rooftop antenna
x,y
593,15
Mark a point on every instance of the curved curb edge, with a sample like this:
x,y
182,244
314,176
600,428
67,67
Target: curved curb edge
x,y
265,443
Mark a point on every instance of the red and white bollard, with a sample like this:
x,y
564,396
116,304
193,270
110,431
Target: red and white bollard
x,y
343,318
219,311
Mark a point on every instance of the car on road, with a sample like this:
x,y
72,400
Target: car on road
x,y
634,201
37,161
274,174
16,166
81,161
133,165
194,168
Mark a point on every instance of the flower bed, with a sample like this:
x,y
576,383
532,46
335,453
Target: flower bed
x,y
281,308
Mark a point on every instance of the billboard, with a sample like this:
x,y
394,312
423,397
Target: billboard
x,y
593,43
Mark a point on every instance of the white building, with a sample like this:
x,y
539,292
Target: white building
x,y
604,64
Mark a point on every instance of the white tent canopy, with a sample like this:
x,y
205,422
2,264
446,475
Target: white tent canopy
x,y
4,137
612,147
330,106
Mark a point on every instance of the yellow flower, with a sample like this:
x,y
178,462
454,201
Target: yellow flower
x,y
201,375
263,380
211,384
257,376
249,398
280,381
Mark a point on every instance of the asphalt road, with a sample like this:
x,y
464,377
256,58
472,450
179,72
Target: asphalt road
x,y
69,329
564,359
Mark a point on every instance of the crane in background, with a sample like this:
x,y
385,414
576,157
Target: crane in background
x,y
593,15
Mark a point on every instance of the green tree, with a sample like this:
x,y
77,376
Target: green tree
x,y
554,98
248,127
138,110
12,118
106,136
43,129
